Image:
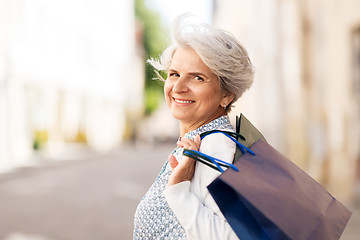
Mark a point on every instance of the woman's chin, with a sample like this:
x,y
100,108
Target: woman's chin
x,y
181,116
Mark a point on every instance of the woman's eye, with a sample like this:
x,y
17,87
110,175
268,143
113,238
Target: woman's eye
x,y
173,75
199,78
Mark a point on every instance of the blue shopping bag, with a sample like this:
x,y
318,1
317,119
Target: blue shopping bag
x,y
263,195
269,197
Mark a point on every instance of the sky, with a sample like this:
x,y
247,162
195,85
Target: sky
x,y
169,9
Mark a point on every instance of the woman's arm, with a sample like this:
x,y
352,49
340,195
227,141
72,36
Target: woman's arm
x,y
192,203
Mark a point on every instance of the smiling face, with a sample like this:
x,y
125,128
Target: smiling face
x,y
192,91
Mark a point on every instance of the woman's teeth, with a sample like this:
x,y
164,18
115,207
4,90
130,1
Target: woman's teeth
x,y
181,101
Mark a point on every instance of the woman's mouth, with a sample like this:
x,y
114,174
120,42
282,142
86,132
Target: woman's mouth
x,y
182,101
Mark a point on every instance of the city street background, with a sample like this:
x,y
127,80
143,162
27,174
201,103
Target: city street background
x,y
86,195
84,128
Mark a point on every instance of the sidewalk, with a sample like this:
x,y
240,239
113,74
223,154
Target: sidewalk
x,y
86,197
83,199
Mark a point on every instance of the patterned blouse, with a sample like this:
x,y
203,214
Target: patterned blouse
x,y
153,217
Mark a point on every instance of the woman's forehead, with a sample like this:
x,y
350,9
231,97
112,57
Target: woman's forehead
x,y
188,59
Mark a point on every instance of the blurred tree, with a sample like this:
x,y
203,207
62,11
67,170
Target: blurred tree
x,y
40,139
154,43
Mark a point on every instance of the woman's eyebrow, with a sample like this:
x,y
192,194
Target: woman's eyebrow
x,y
198,73
190,73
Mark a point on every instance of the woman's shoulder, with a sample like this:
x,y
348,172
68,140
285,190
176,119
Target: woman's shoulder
x,y
217,143
217,136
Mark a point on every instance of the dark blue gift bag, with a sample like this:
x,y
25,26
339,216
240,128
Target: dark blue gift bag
x,y
263,195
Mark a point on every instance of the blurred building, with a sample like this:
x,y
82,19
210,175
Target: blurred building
x,y
306,94
70,72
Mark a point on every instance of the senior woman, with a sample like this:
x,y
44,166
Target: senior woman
x,y
208,70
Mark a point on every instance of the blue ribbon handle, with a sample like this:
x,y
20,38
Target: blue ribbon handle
x,y
242,147
216,161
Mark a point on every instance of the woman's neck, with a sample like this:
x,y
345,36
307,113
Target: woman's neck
x,y
186,127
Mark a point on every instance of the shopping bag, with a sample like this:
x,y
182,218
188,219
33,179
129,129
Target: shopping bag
x,y
266,196
263,195
247,134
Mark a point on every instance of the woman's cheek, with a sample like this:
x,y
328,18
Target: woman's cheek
x,y
167,89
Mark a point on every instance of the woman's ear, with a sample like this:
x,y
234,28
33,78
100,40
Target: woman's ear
x,y
227,98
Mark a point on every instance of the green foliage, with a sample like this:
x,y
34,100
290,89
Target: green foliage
x,y
40,139
152,98
154,42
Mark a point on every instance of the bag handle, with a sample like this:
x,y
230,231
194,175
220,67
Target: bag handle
x,y
235,135
208,160
214,162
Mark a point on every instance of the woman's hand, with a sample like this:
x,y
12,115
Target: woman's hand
x,y
183,171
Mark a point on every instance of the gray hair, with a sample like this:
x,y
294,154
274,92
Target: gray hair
x,y
218,49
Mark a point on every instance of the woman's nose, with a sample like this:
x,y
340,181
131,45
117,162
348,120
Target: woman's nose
x,y
181,85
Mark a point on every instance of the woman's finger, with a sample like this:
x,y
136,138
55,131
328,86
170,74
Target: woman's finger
x,y
197,140
190,144
172,161
184,171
